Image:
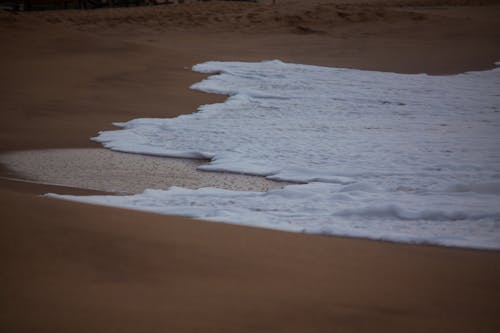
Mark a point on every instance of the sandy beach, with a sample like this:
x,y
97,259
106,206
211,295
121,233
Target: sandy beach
x,y
65,75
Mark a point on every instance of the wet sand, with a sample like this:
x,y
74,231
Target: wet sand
x,y
79,268
101,169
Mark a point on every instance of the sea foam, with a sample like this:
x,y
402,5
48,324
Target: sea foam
x,y
410,158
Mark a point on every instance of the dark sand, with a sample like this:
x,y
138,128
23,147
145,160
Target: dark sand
x,y
69,267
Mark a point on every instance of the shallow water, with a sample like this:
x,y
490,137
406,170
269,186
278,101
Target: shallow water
x,y
411,158
105,170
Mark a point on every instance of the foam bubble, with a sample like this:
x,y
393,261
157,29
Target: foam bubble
x,y
382,155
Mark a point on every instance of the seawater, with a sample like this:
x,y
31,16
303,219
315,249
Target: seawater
x,y
409,158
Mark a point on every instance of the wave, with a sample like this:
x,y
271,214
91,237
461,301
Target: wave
x,y
379,155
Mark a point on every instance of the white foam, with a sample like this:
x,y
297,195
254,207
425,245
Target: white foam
x,y
387,156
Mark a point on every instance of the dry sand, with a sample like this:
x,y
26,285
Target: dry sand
x,y
68,267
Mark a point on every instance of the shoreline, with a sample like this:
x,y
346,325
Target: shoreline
x,y
79,268
458,228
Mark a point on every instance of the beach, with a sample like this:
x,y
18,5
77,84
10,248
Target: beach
x,y
73,267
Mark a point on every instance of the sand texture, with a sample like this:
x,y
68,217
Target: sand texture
x,y
69,267
108,171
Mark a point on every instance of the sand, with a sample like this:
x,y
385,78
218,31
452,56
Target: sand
x,y
104,170
79,268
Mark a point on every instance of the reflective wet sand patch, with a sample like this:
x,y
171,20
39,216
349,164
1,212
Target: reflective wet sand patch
x,y
105,170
